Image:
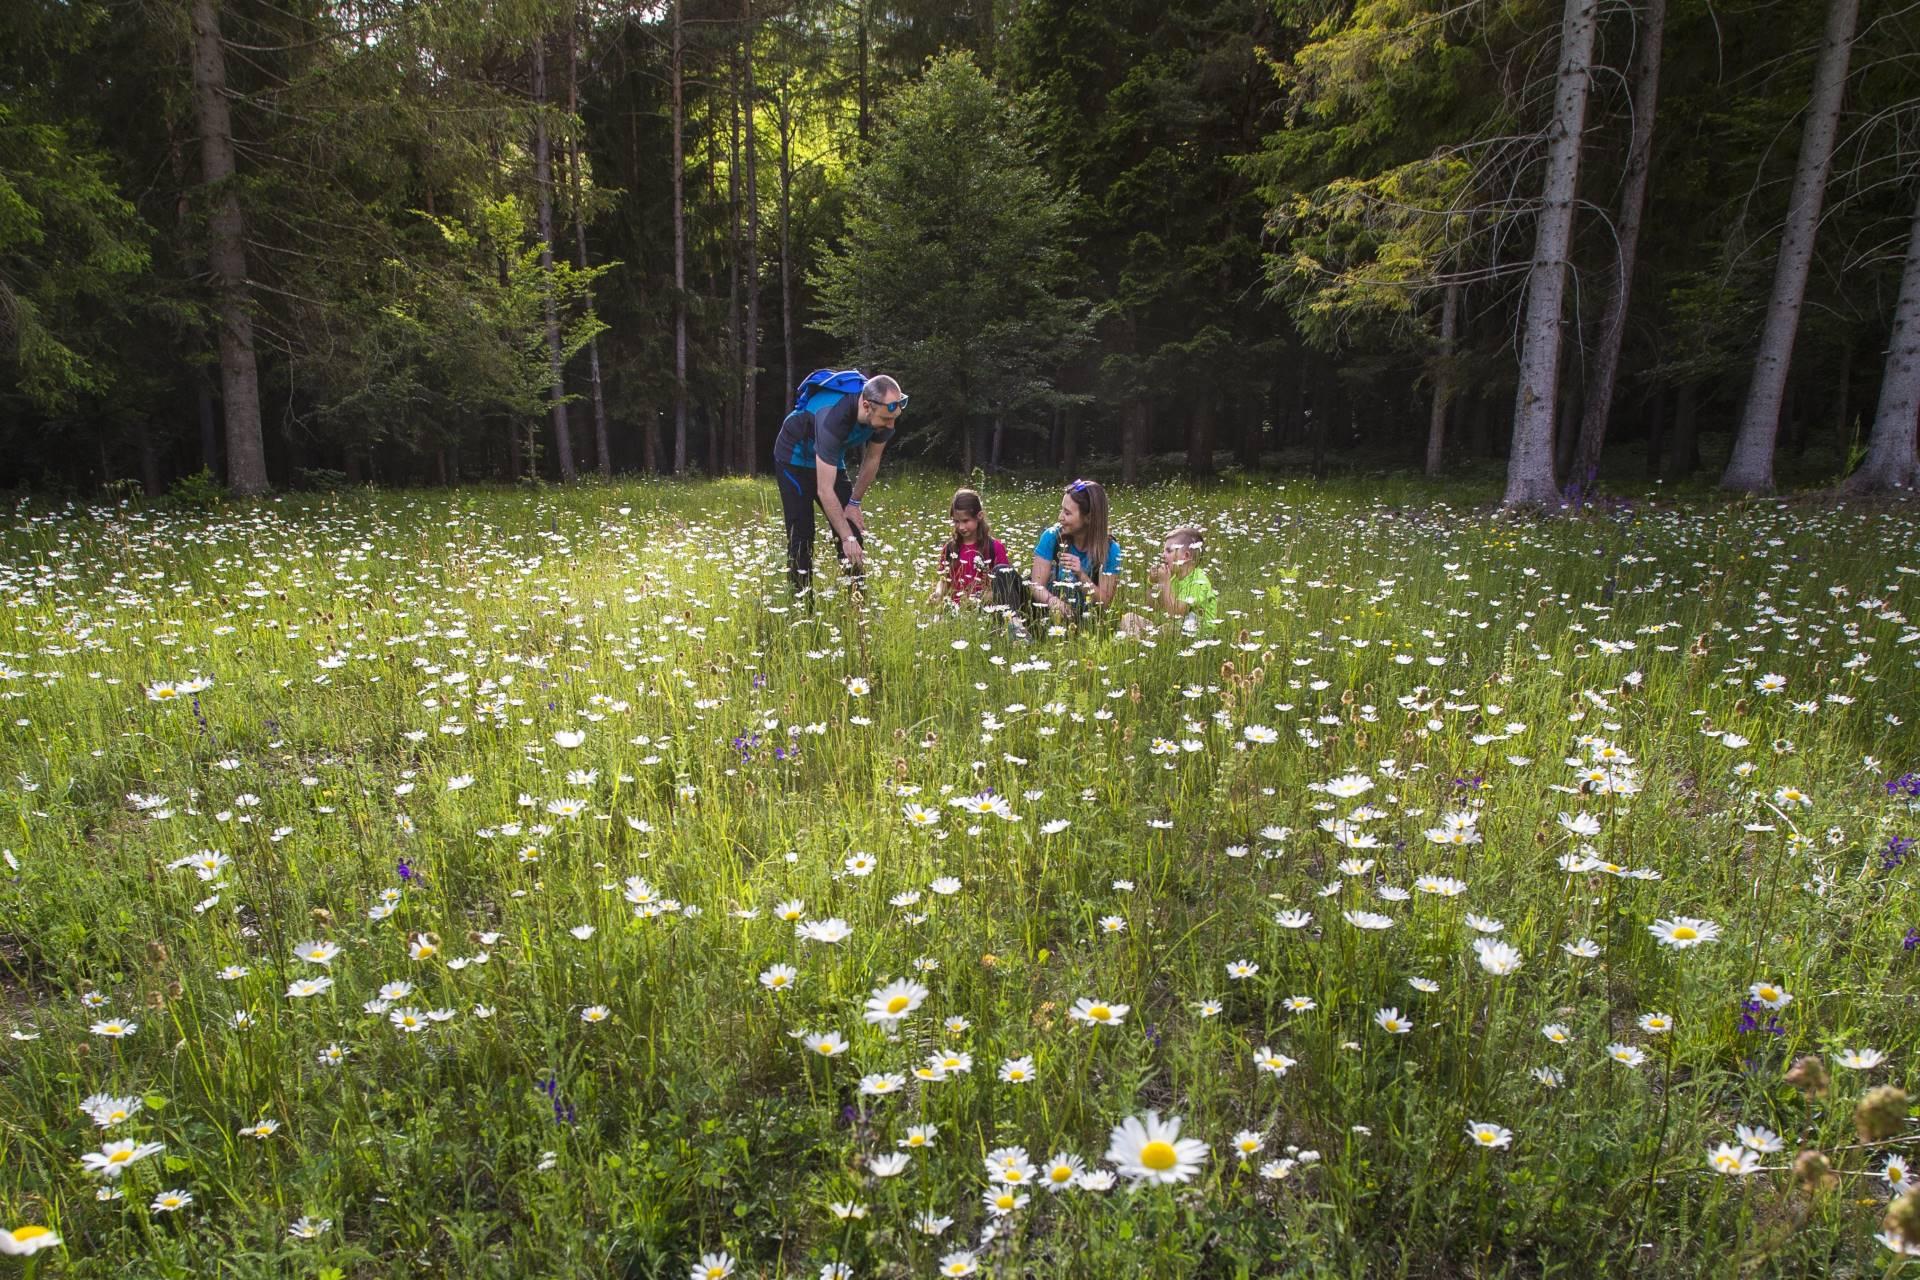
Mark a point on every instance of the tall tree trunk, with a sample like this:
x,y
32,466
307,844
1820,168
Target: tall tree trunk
x,y
1139,421
1683,445
543,183
679,251
1633,204
865,123
209,428
1200,431
786,224
1567,432
1530,462
749,416
999,440
1750,469
1250,433
1656,430
1892,460
1443,380
1070,439
1843,391
730,450
149,458
1323,410
602,446
227,257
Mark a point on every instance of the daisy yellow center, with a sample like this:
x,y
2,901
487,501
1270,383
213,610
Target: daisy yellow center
x,y
164,693
1014,1175
825,1047
1099,1013
1769,993
779,979
1016,1074
1686,933
1485,1135
120,1157
23,1234
897,1004
1158,1156
1060,1173
1004,1200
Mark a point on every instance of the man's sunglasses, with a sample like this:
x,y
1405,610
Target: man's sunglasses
x,y
891,406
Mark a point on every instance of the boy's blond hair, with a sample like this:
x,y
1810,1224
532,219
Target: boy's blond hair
x,y
1190,537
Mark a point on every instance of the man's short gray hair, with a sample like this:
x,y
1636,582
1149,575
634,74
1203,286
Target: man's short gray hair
x,y
880,389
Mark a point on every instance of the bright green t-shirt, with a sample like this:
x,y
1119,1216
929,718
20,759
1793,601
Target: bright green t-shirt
x,y
1197,593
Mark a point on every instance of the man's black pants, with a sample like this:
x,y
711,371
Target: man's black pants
x,y
798,498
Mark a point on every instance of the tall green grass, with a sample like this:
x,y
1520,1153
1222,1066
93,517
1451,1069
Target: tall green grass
x,y
367,650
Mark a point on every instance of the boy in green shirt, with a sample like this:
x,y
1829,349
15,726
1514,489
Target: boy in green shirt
x,y
1181,588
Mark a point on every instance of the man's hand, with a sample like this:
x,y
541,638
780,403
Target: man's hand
x,y
850,548
856,518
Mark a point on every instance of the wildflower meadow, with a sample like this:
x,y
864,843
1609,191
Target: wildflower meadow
x,y
524,883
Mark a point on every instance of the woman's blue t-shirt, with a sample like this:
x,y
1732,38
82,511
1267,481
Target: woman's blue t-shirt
x,y
1051,544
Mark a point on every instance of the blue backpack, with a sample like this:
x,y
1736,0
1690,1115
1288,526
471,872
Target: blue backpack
x,y
824,387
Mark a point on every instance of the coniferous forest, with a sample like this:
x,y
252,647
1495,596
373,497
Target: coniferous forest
x,y
307,243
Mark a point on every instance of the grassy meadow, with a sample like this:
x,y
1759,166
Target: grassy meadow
x,y
506,884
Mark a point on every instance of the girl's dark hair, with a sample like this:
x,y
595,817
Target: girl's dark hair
x,y
967,503
1092,538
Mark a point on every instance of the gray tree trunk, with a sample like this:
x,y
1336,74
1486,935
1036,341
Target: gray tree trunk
x,y
786,225
1750,469
1443,380
543,182
679,255
602,446
227,258
749,419
1893,456
1633,205
731,418
1530,461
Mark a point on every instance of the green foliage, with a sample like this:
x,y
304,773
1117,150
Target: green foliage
x,y
68,243
460,334
954,270
1377,185
201,491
